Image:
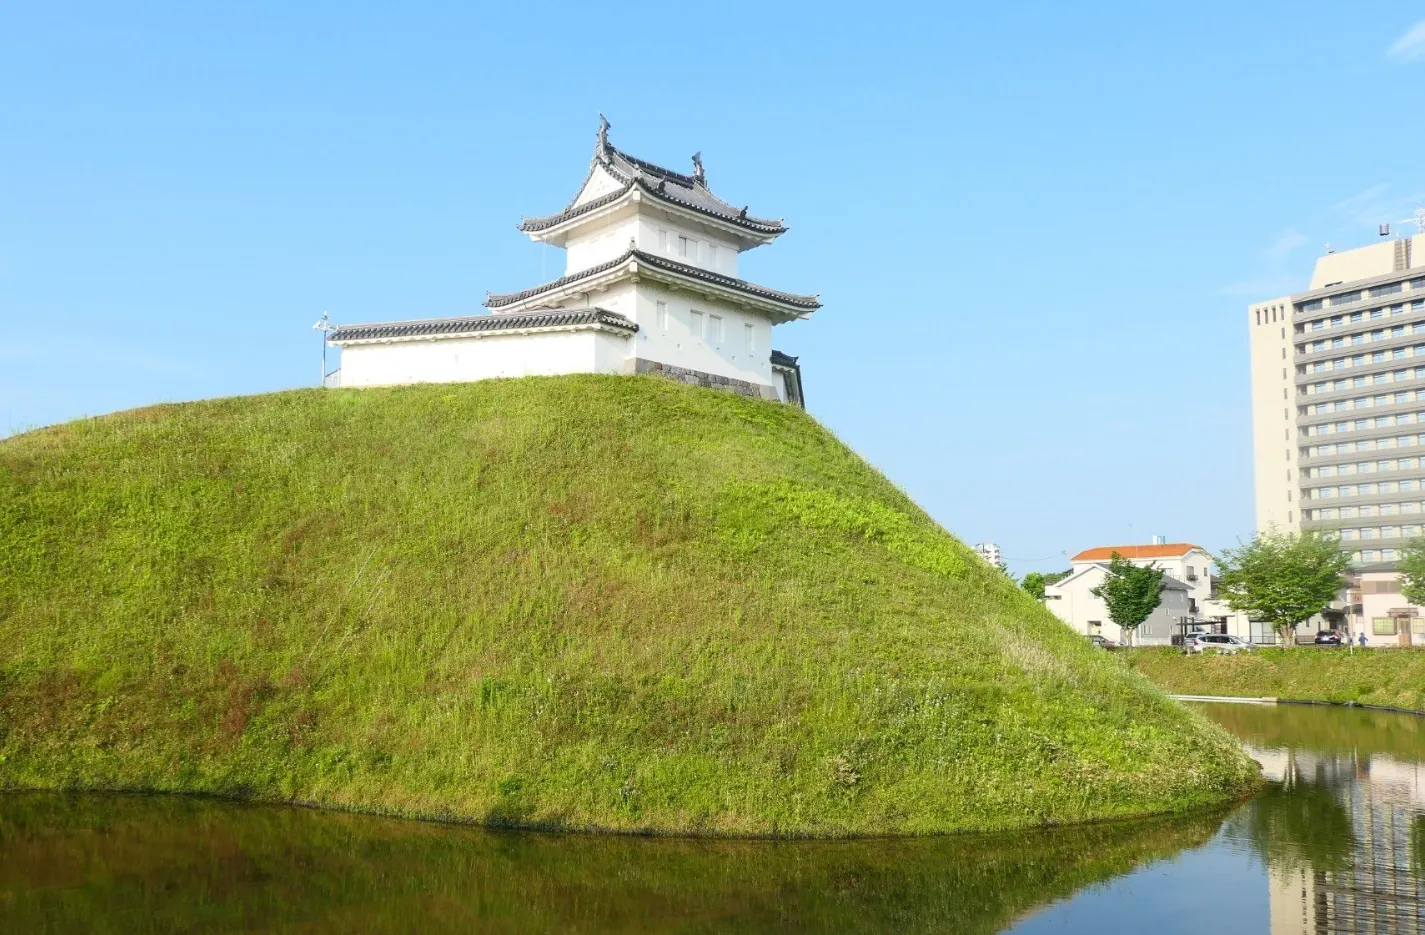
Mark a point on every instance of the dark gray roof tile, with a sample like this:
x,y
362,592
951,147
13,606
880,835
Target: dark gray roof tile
x,y
808,302
675,187
513,321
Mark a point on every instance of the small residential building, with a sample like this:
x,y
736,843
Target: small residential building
x,y
1188,594
651,285
1378,609
988,551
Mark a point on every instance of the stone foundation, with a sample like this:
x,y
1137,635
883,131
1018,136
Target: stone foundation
x,y
699,378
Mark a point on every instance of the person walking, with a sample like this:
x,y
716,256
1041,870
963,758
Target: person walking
x,y
1362,639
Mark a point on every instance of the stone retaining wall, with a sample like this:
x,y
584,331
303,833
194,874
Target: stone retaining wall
x,y
699,378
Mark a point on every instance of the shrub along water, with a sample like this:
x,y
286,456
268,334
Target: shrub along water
x,y
585,602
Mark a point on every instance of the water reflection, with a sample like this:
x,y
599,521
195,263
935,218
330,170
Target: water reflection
x,y
1340,824
93,864
1335,843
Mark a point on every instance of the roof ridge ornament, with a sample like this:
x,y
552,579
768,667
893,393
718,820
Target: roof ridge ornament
x,y
601,146
698,175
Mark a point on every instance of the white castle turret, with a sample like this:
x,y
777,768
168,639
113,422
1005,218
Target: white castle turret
x,y
650,286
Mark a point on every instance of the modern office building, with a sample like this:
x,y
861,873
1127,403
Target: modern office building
x,y
1338,399
1338,403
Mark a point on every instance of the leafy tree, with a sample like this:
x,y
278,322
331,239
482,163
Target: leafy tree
x,y
1412,572
1282,578
1132,592
1035,582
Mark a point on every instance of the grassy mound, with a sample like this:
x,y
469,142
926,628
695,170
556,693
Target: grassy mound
x,y
587,602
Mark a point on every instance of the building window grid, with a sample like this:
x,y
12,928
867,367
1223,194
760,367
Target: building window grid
x,y
1361,315
1364,425
1360,381
1359,338
1398,484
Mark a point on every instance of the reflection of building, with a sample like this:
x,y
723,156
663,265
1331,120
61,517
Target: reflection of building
x,y
1380,890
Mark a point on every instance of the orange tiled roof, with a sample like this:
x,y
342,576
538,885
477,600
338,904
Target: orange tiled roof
x,y
1104,552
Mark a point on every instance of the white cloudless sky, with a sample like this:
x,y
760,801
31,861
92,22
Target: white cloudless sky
x,y
1035,226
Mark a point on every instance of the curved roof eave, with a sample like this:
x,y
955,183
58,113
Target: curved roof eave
x,y
791,304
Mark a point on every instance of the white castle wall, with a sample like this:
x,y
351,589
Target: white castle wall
x,y
466,359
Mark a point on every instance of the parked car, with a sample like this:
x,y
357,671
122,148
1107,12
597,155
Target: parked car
x,y
1329,638
1218,642
1101,642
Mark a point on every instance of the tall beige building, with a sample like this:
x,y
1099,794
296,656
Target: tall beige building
x,y
1338,401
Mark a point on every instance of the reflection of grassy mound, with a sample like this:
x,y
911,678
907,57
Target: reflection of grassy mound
x,y
169,865
584,601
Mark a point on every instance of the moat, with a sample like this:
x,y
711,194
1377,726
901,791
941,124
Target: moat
x,y
1334,843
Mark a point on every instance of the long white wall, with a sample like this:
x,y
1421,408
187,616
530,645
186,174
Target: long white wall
x,y
468,359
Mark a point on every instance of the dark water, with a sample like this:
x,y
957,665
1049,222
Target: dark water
x,y
1335,844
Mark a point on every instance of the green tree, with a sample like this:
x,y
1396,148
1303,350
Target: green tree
x,y
1412,572
1132,592
1282,578
1035,582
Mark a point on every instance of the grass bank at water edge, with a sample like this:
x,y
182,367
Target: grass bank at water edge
x,y
583,602
1389,677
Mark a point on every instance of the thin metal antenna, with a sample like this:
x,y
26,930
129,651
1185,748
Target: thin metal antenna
x,y
325,326
1418,220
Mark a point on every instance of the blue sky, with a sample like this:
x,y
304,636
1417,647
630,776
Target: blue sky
x,y
1035,226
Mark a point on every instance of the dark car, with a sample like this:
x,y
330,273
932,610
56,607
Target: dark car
x,y
1102,643
1329,638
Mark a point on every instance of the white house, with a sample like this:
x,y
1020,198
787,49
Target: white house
x,y
650,285
1187,593
1382,613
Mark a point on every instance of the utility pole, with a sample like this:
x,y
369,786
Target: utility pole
x,y
325,326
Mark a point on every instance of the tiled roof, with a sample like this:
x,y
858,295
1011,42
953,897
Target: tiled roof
x,y
807,302
431,327
688,191
1105,552
782,360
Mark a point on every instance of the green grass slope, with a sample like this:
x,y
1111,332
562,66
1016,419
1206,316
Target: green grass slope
x,y
1389,677
583,602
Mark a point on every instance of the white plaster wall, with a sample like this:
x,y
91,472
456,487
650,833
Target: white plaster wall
x,y
468,359
658,233
654,231
599,245
600,183
673,342
1274,402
